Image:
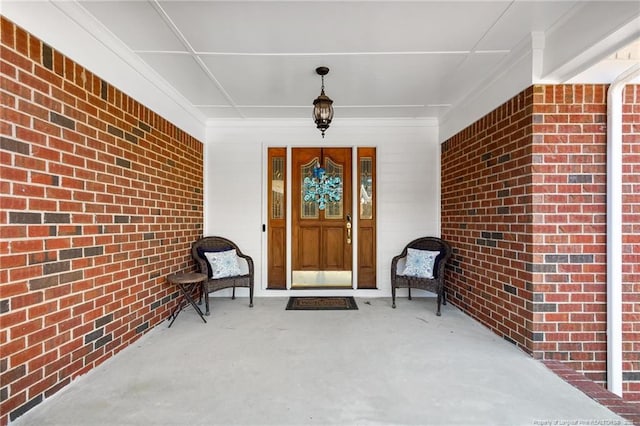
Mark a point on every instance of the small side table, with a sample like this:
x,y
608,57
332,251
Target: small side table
x,y
188,283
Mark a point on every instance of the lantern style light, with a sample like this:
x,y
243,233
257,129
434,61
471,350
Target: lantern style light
x,y
322,105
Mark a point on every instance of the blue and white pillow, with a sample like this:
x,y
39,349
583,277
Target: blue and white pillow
x,y
223,263
420,263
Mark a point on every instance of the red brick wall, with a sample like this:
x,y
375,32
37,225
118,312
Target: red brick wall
x,y
101,199
569,216
486,216
542,284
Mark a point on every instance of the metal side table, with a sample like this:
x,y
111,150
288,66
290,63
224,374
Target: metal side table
x,y
189,283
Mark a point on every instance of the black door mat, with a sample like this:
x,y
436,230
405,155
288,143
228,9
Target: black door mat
x,y
309,303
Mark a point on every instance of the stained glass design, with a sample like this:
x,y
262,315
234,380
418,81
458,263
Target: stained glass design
x,y
334,203
366,188
309,208
277,188
322,189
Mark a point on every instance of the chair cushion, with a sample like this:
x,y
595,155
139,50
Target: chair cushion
x,y
223,263
203,250
420,263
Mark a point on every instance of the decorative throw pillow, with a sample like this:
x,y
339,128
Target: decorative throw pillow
x,y
223,263
420,263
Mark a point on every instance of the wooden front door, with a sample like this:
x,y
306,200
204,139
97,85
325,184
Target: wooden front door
x,y
321,217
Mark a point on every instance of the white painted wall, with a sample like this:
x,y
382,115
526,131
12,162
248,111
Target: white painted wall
x,y
408,191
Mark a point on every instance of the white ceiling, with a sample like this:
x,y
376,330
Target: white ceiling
x,y
612,66
391,59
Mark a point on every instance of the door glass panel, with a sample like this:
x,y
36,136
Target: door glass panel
x,y
335,179
366,188
309,208
277,188
322,189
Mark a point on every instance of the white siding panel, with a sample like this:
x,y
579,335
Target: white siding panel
x,y
233,202
408,199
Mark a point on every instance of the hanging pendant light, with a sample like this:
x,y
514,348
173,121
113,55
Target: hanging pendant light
x,y
322,105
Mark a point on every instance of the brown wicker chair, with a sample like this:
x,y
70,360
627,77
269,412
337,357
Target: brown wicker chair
x,y
436,284
218,244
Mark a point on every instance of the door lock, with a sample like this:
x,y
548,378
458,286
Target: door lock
x,y
348,229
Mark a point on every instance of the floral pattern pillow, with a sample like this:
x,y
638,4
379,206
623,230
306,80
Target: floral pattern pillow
x,y
420,263
223,263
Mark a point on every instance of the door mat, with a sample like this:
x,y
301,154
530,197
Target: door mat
x,y
321,303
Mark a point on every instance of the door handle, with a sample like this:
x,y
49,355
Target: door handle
x,y
348,229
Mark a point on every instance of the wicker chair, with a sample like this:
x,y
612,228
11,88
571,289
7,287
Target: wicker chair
x,y
435,284
220,244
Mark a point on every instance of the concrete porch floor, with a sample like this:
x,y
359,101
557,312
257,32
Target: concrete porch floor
x,y
372,366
